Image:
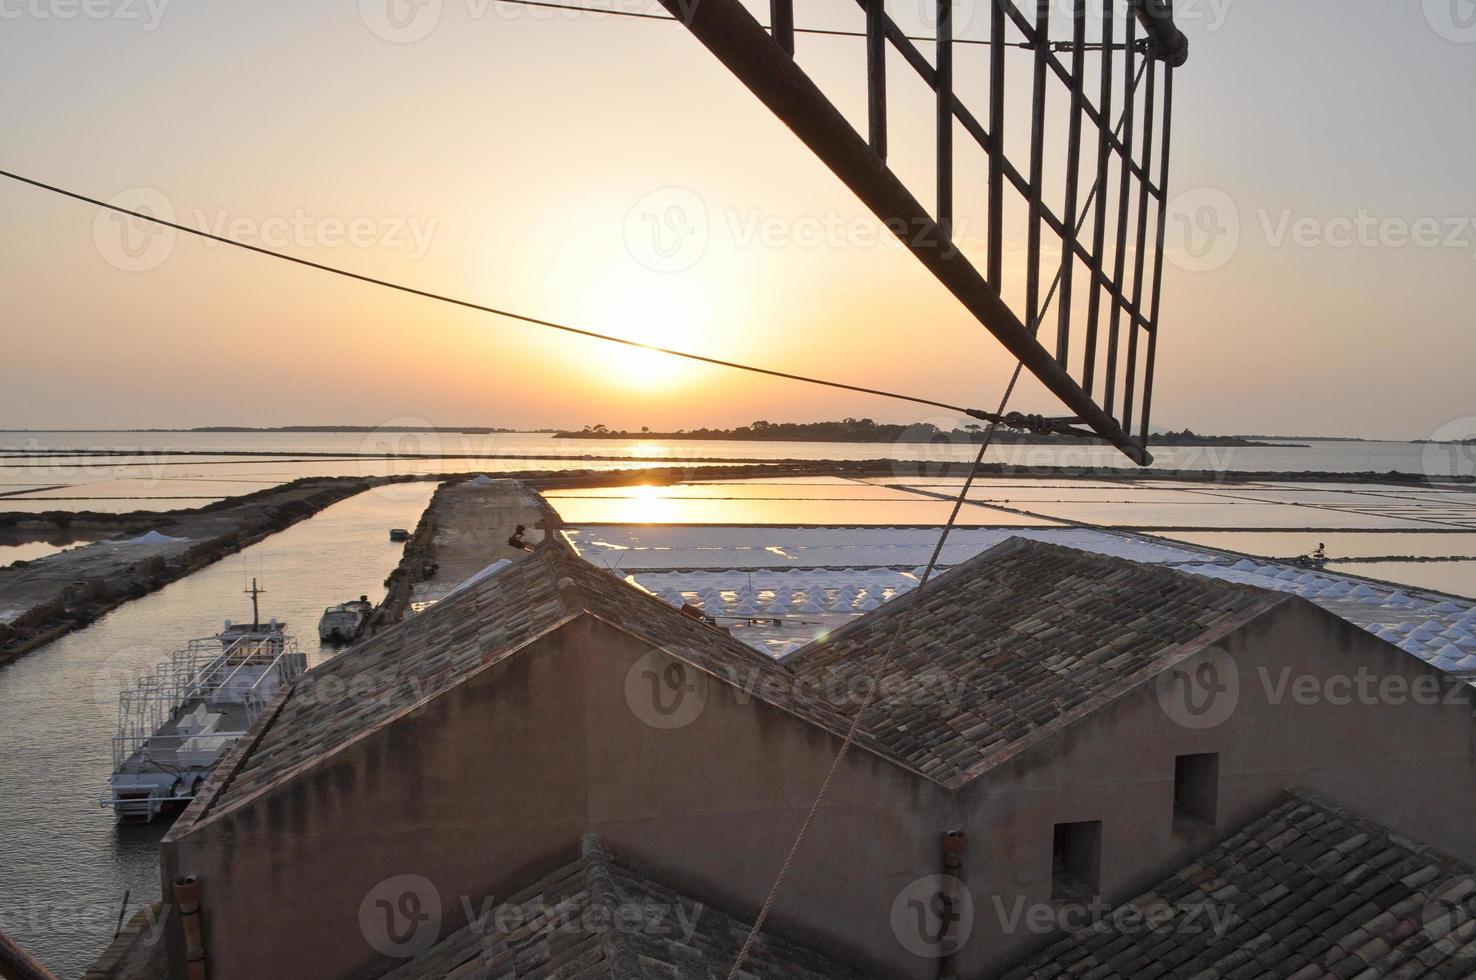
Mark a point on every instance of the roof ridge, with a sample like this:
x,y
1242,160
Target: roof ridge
x,y
1369,825
1014,543
605,893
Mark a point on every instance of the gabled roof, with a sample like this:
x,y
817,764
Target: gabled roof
x,y
361,687
491,618
596,918
1023,636
1308,891
1018,638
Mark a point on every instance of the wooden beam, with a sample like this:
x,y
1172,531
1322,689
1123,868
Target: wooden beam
x,y
731,33
876,75
1099,226
995,149
1073,177
1037,168
944,91
781,22
1140,256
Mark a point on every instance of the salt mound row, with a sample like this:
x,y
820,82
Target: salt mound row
x,y
154,537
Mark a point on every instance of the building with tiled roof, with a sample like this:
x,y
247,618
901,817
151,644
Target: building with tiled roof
x,y
1305,892
1025,637
1077,725
595,917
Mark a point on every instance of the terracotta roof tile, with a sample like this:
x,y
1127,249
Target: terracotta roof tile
x,y
1246,908
1016,639
1004,645
597,918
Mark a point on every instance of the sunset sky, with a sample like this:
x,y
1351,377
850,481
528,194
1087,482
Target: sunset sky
x,y
507,156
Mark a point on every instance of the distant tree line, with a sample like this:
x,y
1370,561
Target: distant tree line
x,y
868,430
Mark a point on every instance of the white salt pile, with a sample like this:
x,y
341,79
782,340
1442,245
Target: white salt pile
x,y
154,537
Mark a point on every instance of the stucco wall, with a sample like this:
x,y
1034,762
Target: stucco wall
x,y
494,783
1410,766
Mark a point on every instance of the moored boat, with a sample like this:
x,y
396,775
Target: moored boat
x,y
176,723
341,623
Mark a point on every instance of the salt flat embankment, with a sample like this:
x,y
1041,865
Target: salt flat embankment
x,y
42,599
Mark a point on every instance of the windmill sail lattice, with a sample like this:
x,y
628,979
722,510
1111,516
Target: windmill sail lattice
x,y
1087,323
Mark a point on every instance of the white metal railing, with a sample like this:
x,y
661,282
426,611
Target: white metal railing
x,y
248,671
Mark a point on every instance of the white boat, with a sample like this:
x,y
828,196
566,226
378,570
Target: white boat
x,y
341,623
176,723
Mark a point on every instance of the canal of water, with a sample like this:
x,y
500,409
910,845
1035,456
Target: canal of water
x,y
64,865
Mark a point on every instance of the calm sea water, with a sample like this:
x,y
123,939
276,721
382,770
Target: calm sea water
x,y
64,864
1333,456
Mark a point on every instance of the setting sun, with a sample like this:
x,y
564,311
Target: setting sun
x,y
665,313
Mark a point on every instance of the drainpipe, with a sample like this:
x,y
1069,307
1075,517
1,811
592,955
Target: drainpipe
x,y
187,895
954,842
17,964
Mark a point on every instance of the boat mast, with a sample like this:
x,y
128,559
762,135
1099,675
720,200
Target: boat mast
x,y
255,610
